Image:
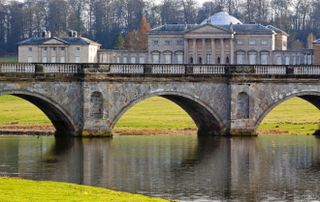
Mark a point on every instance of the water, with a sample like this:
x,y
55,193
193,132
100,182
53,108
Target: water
x,y
269,168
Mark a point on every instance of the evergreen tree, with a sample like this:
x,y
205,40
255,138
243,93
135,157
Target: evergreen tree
x,y
119,42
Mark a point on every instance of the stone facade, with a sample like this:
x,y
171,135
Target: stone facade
x,y
48,49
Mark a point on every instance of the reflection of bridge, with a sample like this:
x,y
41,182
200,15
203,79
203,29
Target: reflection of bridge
x,y
89,99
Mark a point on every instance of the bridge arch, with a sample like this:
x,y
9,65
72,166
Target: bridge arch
x,y
312,97
205,118
60,119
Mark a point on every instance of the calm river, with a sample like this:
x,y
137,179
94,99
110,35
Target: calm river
x,y
187,168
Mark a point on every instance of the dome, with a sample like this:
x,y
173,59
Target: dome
x,y
222,18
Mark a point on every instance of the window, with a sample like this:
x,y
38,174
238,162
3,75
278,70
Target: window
x,y
77,60
179,58
141,60
264,58
62,48
309,59
118,59
208,59
44,51
294,62
167,43
167,58
264,42
191,60
239,42
252,42
30,49
218,60
155,42
252,58
240,58
53,59
29,59
133,60
125,59
227,60
53,48
78,49
62,59
156,58
287,60
180,42
279,60
44,59
200,60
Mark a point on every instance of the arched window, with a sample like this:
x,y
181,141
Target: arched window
x,y
200,60
243,106
227,60
155,57
191,60
240,57
96,106
218,60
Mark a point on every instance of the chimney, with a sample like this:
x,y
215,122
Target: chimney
x,y
73,33
46,34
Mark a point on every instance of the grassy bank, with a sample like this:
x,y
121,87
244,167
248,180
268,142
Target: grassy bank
x,y
158,115
13,189
8,59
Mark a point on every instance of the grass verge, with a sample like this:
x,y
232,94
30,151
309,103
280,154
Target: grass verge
x,y
14,189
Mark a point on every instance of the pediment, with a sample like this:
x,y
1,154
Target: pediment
x,y
208,29
53,41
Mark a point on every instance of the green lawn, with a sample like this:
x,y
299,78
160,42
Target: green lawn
x,y
294,116
14,110
156,112
19,190
8,59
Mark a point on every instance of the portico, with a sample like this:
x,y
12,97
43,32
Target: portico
x,y
209,44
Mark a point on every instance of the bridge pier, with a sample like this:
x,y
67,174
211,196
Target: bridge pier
x,y
96,133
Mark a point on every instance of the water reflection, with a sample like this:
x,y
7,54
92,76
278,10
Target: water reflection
x,y
178,167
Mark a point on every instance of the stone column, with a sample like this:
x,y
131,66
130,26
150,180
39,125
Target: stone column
x,y
204,52
231,52
222,58
186,51
213,51
194,41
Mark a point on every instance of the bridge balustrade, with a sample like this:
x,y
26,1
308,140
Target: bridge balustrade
x,y
168,69
163,69
60,68
208,70
17,68
127,69
270,70
307,70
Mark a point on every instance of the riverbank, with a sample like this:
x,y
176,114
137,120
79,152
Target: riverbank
x,y
15,189
156,116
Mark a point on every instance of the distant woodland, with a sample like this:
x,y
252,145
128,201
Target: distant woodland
x,y
123,24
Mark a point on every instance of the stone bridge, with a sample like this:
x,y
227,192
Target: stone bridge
x,y
89,99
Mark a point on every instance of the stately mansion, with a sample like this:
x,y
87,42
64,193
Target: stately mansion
x,y
220,39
